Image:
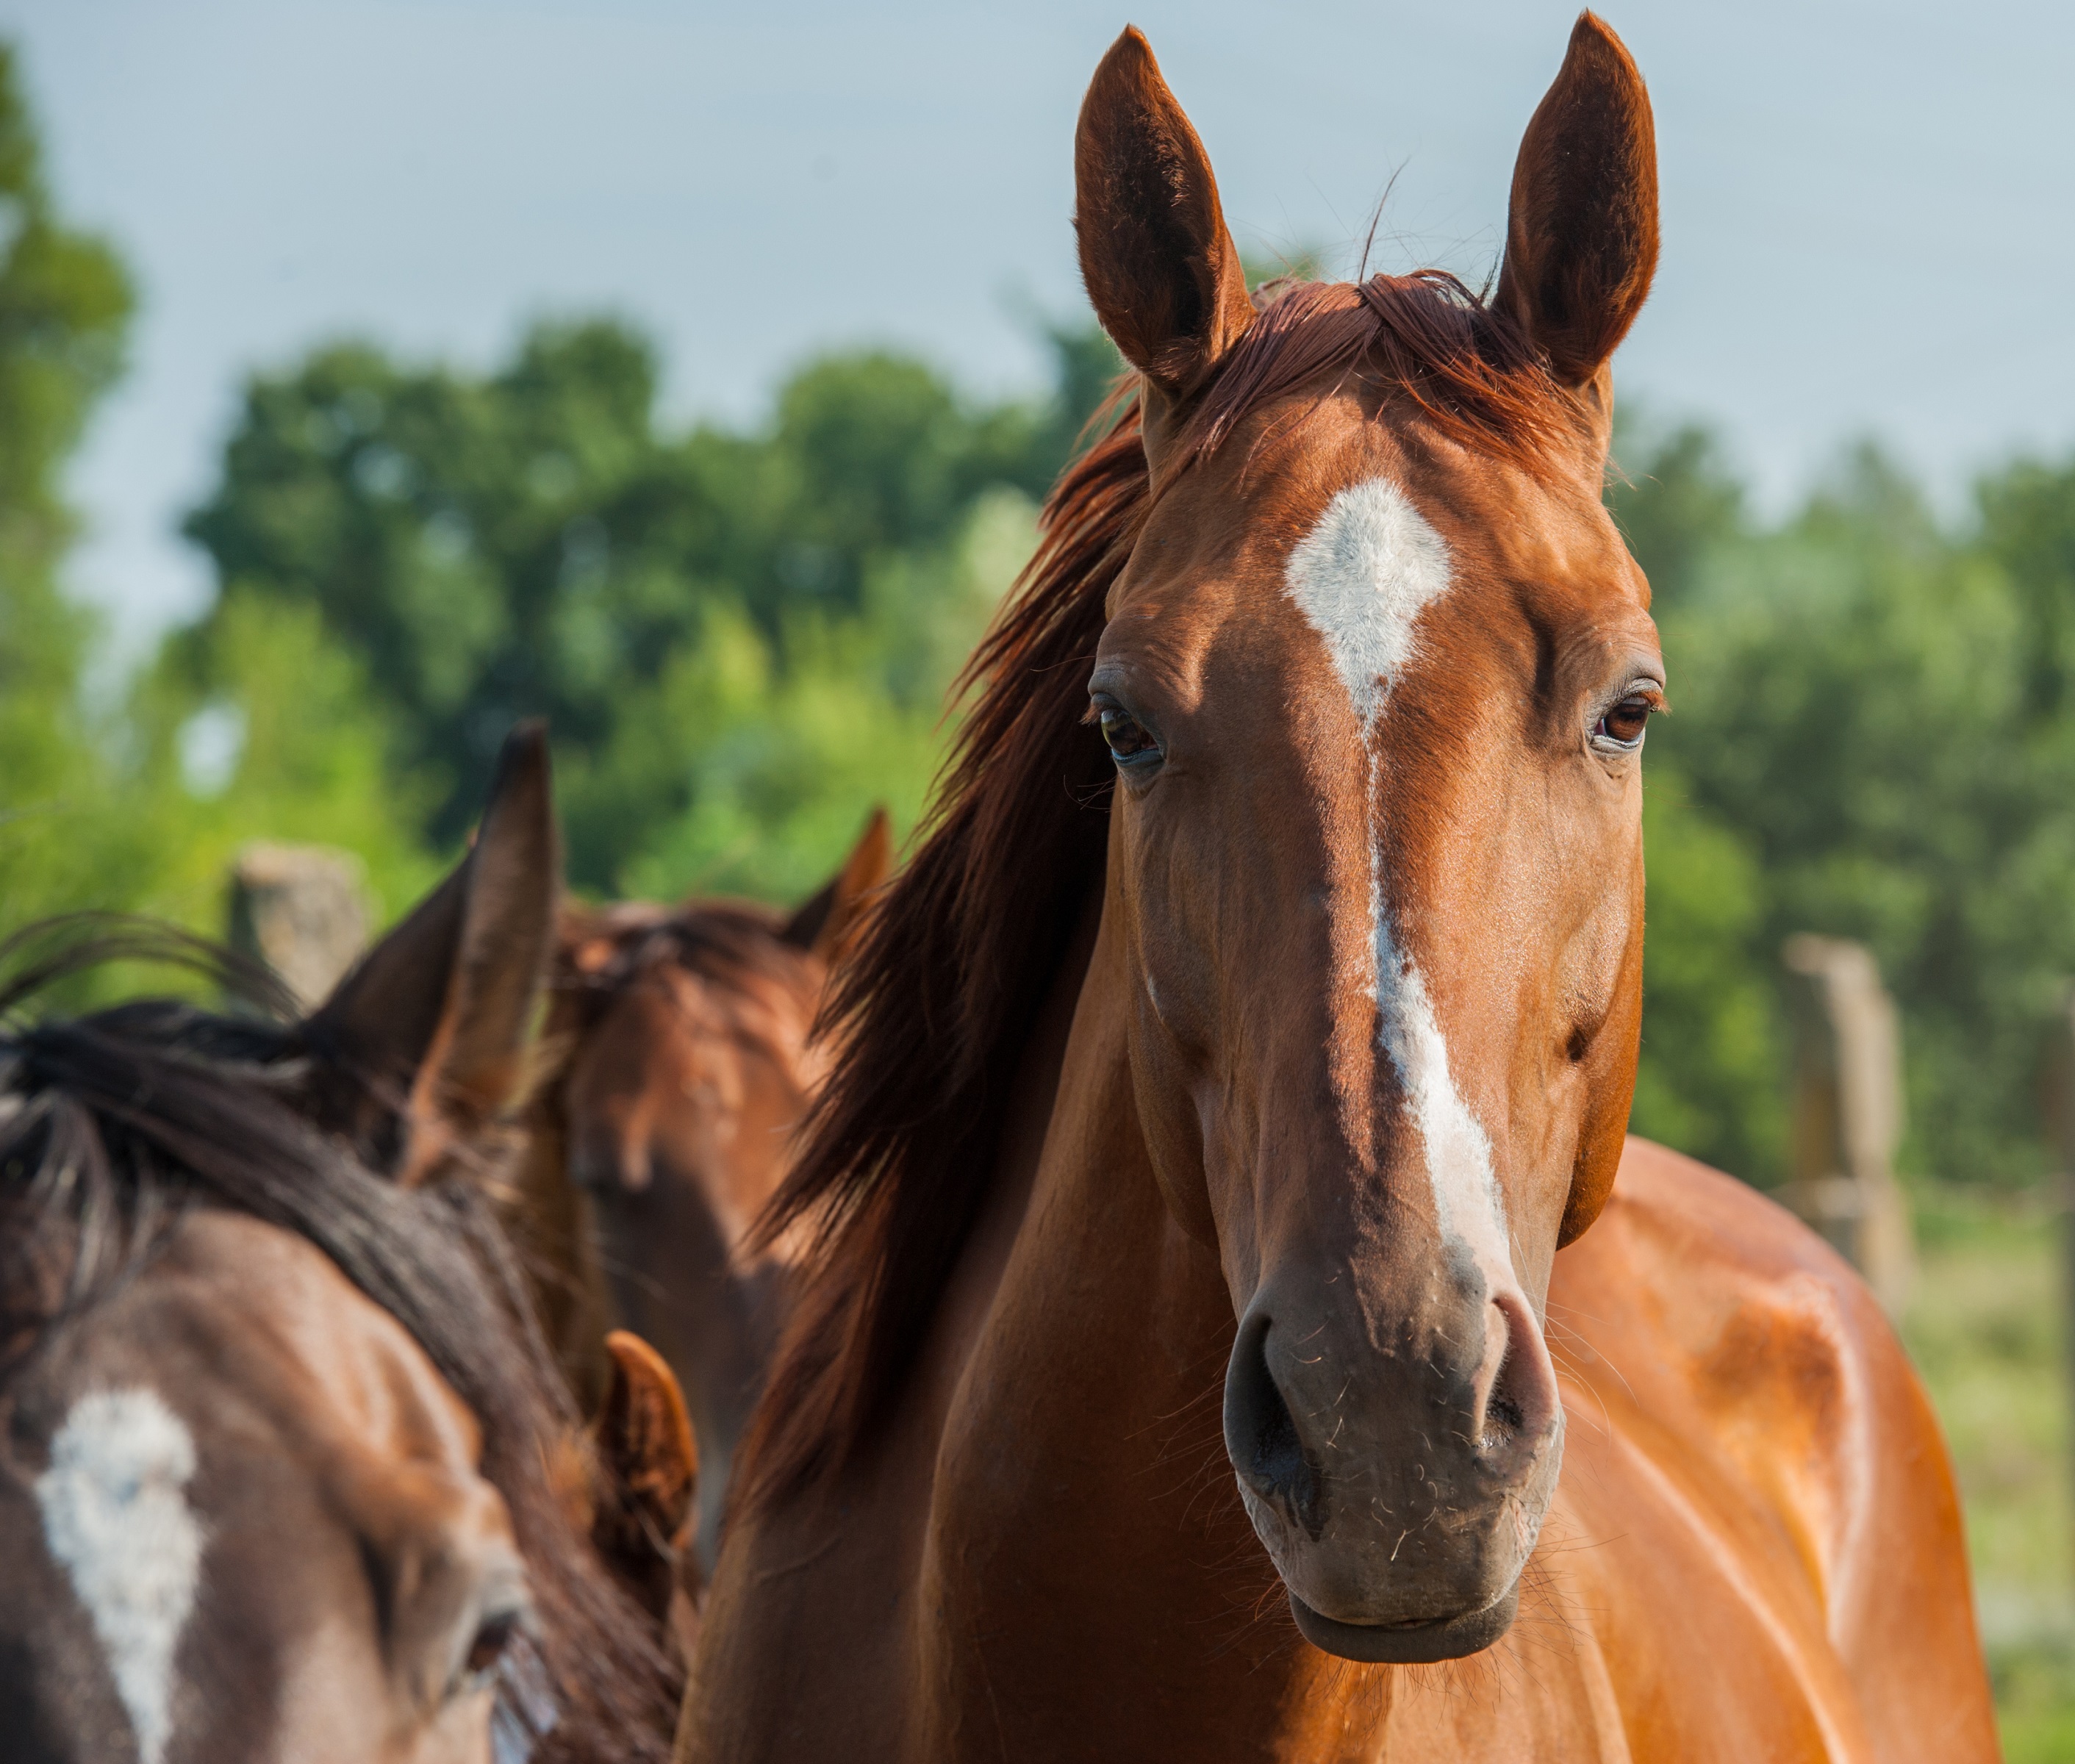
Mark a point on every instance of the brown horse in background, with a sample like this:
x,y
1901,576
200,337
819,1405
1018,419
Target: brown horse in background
x,y
1188,1369
678,1066
286,1473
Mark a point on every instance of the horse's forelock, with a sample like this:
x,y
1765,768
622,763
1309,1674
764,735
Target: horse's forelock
x,y
1466,369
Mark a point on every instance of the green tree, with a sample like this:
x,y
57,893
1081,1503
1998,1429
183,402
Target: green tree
x,y
96,808
781,748
487,548
64,311
1683,504
2027,526
533,542
303,753
1869,739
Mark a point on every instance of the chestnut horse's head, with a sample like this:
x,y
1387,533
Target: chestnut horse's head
x,y
283,1474
683,1064
1375,678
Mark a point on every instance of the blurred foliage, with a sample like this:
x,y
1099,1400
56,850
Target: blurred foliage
x,y
1867,739
853,715
532,542
64,310
96,807
1983,1330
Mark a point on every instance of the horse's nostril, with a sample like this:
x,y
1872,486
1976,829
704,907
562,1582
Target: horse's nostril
x,y
1261,1438
1520,1401
1269,1451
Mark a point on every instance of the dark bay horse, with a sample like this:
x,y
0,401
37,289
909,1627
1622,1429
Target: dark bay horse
x,y
678,1065
285,1474
1188,1369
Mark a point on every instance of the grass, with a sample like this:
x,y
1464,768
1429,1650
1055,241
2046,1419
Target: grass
x,y
1985,1327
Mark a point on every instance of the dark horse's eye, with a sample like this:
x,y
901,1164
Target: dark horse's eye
x,y
1623,724
1130,743
494,1635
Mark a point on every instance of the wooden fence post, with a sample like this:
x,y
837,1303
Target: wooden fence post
x,y
302,909
1848,1112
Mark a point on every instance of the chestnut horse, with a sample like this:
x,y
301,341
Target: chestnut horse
x,y
285,1475
679,1065
1180,1375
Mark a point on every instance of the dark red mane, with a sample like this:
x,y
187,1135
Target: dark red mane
x,y
932,1013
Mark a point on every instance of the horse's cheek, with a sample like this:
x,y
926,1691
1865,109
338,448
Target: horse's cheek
x,y
1605,1130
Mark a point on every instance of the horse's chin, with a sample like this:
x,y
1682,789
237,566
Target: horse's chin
x,y
1389,1617
1417,1643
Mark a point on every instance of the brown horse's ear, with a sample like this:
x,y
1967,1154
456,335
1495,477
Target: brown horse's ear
x,y
1159,262
425,1041
823,924
649,1464
1581,233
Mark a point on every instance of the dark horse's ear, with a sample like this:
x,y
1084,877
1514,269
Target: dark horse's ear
x,y
1581,232
424,1043
648,1467
1159,262
823,923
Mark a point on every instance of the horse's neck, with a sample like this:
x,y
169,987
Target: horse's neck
x,y
1084,1516
1046,1538
678,1282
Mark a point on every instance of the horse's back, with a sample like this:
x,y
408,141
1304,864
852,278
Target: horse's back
x,y
1738,1399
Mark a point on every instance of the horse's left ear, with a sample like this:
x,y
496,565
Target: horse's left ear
x,y
424,1043
823,923
1581,232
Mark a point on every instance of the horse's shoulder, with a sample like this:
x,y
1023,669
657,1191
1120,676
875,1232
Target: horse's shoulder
x,y
1741,1314
1710,1265
1722,1341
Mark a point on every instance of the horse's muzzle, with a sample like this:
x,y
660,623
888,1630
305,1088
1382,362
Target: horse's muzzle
x,y
1398,1485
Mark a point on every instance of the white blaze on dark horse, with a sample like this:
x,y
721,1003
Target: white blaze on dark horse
x,y
116,1515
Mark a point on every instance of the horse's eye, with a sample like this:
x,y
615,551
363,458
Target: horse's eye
x,y
492,1640
494,1635
1623,725
1130,743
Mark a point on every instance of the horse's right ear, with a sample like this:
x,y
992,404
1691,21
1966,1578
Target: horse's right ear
x,y
1159,262
823,923
424,1043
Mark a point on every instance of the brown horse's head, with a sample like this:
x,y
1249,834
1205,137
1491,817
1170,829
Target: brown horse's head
x,y
1374,678
683,1065
278,1475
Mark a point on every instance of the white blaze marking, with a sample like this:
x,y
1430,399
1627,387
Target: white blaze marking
x,y
115,1516
1361,577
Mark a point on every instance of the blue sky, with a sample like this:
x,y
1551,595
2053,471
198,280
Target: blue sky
x,y
1867,207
